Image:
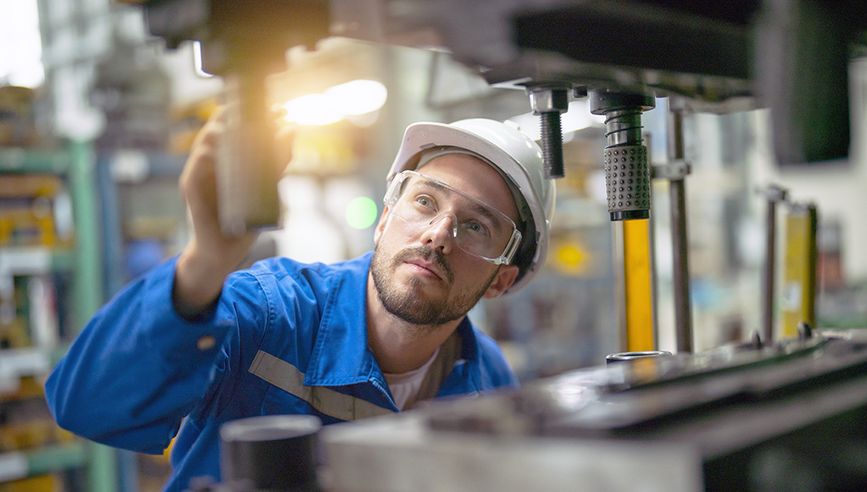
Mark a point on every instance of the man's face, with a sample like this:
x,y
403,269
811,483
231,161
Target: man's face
x,y
423,277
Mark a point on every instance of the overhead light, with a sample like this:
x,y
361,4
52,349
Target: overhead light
x,y
350,99
358,96
312,109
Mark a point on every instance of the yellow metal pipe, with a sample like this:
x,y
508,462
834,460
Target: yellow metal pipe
x,y
637,285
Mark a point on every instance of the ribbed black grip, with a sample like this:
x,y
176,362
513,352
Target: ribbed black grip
x,y
627,182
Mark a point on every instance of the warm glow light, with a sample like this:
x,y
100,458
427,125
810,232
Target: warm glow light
x,y
354,98
358,97
312,109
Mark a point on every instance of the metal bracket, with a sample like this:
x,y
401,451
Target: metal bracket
x,y
673,171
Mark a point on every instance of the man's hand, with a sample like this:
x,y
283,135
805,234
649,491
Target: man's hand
x,y
210,256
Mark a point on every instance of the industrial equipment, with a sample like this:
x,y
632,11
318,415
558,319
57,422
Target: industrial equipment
x,y
789,55
747,417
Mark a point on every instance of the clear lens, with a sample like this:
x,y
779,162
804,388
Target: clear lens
x,y
477,228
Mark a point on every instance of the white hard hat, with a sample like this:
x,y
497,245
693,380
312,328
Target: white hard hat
x,y
515,155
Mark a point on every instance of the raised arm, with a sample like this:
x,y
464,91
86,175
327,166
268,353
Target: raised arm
x,y
211,255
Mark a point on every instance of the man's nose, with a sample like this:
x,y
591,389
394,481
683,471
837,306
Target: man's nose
x,y
440,233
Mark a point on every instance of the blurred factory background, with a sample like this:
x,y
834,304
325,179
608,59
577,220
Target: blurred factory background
x,y
96,116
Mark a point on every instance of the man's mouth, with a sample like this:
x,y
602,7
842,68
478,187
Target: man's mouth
x,y
427,266
428,260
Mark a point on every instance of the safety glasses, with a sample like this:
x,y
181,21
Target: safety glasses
x,y
477,228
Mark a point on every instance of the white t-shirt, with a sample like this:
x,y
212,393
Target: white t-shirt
x,y
404,387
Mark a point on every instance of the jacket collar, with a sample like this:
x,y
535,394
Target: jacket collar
x,y
340,354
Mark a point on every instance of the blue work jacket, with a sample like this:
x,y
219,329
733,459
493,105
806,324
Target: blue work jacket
x,y
284,338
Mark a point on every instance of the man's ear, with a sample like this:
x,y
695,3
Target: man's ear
x,y
506,276
380,226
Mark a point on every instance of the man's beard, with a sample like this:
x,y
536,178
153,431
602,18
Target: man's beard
x,y
407,303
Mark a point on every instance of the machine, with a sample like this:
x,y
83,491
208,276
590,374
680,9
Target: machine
x,y
789,55
790,416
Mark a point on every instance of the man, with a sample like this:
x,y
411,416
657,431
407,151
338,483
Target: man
x,y
192,345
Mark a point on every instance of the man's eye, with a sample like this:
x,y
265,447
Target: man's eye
x,y
424,201
476,228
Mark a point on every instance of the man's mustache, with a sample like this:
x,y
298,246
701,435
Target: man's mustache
x,y
428,254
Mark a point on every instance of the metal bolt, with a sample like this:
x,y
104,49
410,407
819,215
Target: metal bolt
x,y
550,103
